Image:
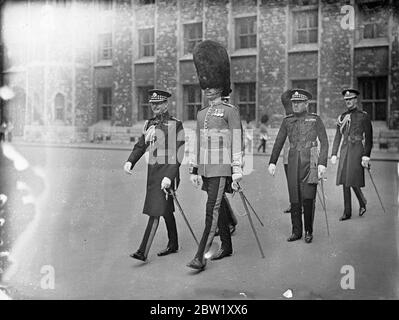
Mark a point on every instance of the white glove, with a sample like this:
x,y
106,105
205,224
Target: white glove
x,y
196,180
165,183
333,160
321,171
150,133
365,161
272,169
128,167
237,177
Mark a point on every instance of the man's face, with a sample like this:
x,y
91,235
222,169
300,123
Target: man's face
x,y
213,93
351,103
159,107
299,106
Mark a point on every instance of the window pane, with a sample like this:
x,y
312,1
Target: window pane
x,y
243,42
312,36
380,111
368,31
381,89
302,21
252,41
367,89
302,37
382,30
313,16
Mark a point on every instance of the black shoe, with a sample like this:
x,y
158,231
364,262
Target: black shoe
x,y
308,237
344,217
221,254
166,251
288,210
362,210
294,237
196,264
139,256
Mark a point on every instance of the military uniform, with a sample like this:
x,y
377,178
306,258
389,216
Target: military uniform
x,y
163,161
355,130
218,155
302,130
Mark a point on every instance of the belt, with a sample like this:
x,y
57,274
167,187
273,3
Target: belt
x,y
355,139
308,144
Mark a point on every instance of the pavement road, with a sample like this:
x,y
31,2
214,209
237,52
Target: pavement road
x,y
89,220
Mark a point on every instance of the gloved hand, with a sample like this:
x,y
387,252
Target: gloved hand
x,y
365,162
236,177
196,180
321,171
272,169
333,160
128,167
150,133
165,183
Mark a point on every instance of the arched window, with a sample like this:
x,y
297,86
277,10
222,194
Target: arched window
x,y
59,107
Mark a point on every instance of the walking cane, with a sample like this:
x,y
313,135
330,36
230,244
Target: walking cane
x,y
324,204
172,192
375,187
244,201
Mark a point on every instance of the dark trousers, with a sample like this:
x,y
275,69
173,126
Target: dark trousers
x,y
348,199
216,215
308,206
262,145
151,230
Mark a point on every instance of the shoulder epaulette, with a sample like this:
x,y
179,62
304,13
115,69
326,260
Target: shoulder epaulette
x,y
289,116
313,114
228,104
173,118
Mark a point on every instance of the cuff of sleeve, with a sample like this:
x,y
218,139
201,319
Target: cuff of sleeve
x,y
366,158
193,170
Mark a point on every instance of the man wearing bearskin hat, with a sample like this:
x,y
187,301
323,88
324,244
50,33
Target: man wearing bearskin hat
x,y
218,159
355,130
305,164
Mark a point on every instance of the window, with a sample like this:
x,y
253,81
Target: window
x,y
246,100
144,106
105,46
104,98
59,107
146,1
192,101
373,91
303,2
245,32
305,27
310,86
146,42
192,36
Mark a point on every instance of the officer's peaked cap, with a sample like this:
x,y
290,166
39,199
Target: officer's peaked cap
x,y
350,93
300,95
212,63
156,95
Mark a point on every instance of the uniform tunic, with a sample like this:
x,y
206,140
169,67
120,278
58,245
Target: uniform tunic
x,y
166,152
302,131
356,134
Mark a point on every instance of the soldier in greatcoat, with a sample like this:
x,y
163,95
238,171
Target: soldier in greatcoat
x,y
356,132
163,137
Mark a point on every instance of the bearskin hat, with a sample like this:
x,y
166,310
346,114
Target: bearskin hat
x,y
286,101
212,63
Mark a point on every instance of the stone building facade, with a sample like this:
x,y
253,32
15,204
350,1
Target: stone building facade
x,y
82,73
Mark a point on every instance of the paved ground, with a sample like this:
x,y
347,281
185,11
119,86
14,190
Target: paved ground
x,y
89,220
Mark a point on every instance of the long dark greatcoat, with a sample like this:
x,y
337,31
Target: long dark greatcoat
x,y
302,132
166,152
357,141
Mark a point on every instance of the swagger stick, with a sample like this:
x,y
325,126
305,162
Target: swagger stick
x,y
250,220
172,192
375,187
324,205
